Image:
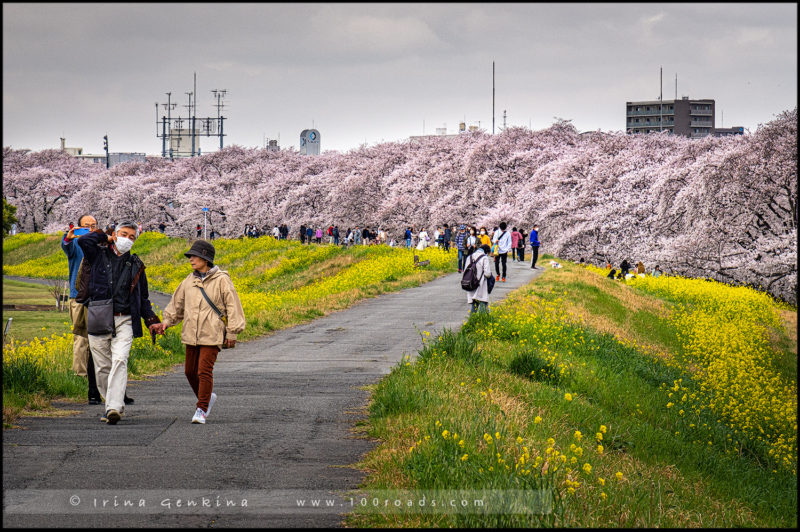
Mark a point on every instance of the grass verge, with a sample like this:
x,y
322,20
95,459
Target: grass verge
x,y
571,386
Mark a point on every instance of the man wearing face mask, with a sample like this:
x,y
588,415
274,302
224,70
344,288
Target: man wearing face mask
x,y
116,275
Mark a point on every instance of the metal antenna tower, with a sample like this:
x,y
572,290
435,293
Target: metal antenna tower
x,y
172,128
167,125
189,114
219,94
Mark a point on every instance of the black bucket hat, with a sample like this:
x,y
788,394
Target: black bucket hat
x,y
204,250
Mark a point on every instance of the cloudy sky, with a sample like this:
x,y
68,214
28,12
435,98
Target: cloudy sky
x,y
370,72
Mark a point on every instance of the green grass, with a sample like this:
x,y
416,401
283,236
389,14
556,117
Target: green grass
x,y
670,479
21,293
29,324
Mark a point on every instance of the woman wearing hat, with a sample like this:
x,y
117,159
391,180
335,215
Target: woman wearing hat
x,y
207,303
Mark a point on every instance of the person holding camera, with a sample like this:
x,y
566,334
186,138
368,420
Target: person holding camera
x,y
207,303
82,363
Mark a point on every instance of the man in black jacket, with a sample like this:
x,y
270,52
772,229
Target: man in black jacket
x,y
118,276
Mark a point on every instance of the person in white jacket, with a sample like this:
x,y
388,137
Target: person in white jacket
x,y
423,239
479,298
503,240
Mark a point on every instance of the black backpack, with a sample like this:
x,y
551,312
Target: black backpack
x,y
470,281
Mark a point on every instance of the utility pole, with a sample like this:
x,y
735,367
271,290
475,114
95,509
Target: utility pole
x,y
504,119
194,113
661,99
105,147
492,97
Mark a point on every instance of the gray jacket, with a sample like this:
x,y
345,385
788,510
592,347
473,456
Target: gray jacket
x,y
484,272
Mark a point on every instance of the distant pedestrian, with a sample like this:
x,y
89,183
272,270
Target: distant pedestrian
x,y
485,239
319,235
534,239
448,235
423,240
276,233
207,303
408,236
479,298
336,235
162,227
309,234
199,230
503,247
521,245
365,236
472,242
461,238
357,235
515,236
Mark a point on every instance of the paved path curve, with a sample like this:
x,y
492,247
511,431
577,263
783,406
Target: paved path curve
x,y
280,429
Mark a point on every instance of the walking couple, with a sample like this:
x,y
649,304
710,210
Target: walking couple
x,y
112,283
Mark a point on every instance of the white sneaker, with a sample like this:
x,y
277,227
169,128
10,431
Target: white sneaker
x,y
199,417
211,403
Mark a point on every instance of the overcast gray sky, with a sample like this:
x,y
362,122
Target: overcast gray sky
x,y
371,72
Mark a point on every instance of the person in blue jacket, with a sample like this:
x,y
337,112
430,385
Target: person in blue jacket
x,y
82,363
534,245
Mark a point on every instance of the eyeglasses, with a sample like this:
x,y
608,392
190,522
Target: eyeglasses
x,y
92,226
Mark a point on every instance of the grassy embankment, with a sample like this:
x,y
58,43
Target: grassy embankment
x,y
661,403
280,283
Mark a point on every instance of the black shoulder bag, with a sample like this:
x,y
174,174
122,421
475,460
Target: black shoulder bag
x,y
100,313
219,313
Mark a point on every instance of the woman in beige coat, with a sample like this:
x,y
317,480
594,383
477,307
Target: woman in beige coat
x,y
204,330
479,298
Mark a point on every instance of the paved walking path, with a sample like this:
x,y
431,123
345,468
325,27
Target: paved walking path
x,y
280,430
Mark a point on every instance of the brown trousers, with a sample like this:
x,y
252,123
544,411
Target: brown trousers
x,y
199,370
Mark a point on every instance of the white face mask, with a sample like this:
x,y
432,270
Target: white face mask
x,y
123,244
483,232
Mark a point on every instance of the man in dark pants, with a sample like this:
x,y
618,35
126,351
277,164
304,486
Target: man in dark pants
x,y
82,363
503,241
534,245
448,235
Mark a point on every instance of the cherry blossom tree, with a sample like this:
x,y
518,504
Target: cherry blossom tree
x,y
724,208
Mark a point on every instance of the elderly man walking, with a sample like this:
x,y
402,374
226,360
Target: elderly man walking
x,y
118,301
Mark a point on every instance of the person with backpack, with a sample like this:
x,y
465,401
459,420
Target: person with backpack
x,y
477,271
207,303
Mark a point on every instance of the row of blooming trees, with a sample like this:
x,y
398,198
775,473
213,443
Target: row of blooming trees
x,y
724,208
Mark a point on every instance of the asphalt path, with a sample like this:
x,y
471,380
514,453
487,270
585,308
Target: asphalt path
x,y
282,429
